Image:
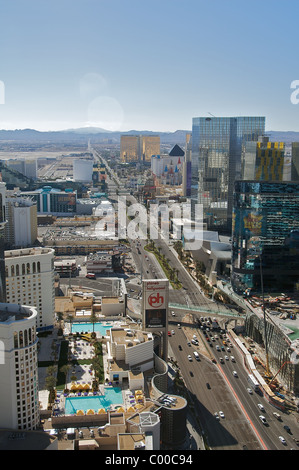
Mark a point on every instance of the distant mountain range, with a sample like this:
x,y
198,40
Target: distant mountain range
x,y
101,135
83,134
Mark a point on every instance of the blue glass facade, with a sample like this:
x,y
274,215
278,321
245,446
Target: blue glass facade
x,y
217,145
265,230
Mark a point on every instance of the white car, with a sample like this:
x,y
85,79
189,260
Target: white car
x,y
263,419
172,332
226,358
235,374
221,414
282,439
216,415
173,314
189,357
232,359
249,391
261,406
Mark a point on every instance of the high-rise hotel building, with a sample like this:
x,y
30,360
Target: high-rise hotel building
x,y
265,161
265,235
30,281
134,148
217,144
2,241
19,404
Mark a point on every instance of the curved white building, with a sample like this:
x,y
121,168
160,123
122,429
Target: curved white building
x,y
82,170
19,405
30,281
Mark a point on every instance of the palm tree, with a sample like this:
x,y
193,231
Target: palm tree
x,y
65,369
178,246
93,319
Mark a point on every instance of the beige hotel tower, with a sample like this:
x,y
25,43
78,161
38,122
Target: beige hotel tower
x,y
134,148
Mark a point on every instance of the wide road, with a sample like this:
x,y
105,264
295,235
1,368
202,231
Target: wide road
x,y
241,427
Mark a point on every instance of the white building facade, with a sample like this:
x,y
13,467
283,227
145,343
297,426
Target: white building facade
x,y
19,405
21,228
82,170
30,281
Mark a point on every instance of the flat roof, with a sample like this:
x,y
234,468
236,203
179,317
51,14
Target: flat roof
x,y
24,440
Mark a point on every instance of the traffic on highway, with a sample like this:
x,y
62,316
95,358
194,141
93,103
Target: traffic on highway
x,y
233,413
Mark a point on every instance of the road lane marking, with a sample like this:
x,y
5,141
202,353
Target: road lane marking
x,y
242,408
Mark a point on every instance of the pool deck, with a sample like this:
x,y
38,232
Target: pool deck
x,y
84,375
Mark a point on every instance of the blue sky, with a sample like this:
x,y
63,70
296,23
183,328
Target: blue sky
x,y
152,65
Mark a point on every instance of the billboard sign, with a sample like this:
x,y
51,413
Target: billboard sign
x,y
155,303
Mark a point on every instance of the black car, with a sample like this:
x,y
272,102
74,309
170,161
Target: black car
x,y
180,347
208,385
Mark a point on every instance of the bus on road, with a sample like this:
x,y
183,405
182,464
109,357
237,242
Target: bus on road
x,y
254,384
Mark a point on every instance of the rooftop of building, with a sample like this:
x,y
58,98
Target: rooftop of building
x,y
27,252
129,337
24,440
15,312
110,300
134,441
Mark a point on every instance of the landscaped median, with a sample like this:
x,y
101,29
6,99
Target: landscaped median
x,y
171,273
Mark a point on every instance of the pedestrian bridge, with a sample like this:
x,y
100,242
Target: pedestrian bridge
x,y
209,311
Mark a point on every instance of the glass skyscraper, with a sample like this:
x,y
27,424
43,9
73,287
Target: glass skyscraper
x,y
217,144
265,234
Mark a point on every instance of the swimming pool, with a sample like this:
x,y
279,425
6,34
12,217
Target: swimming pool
x,y
100,327
113,396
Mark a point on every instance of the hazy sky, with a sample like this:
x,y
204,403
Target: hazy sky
x,y
137,64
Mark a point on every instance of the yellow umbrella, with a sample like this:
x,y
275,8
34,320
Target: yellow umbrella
x,y
101,410
139,406
131,409
120,408
90,412
80,412
86,387
74,387
138,392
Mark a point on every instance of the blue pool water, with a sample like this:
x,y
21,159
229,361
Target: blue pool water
x,y
113,396
101,327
